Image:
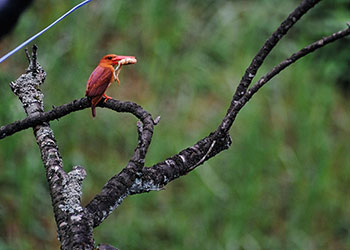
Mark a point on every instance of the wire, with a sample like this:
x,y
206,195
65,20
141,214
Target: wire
x,y
43,31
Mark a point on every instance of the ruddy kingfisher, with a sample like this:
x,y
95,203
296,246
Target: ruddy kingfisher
x,y
103,75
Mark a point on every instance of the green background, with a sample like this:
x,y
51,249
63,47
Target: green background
x,y
283,184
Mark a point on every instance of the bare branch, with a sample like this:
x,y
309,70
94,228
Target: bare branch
x,y
38,118
145,129
258,60
296,56
132,181
238,105
61,111
119,186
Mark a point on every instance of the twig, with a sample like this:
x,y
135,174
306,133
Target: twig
x,y
34,59
27,55
296,56
156,121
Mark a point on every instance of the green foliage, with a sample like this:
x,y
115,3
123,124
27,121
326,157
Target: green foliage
x,y
284,183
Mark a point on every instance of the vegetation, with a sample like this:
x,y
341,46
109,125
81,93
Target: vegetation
x,y
282,185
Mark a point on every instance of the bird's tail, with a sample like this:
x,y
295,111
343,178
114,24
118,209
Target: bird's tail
x,y
94,102
93,111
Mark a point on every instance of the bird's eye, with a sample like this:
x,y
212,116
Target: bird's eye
x,y
109,58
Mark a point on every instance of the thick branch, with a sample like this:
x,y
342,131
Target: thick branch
x,y
39,118
119,186
144,129
61,111
129,181
74,229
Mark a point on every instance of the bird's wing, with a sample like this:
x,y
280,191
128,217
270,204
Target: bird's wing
x,y
98,81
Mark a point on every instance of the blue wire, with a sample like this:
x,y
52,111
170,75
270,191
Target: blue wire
x,y
41,32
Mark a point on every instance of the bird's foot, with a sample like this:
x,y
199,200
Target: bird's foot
x,y
107,97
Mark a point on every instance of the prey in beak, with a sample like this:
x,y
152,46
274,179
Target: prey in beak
x,y
120,61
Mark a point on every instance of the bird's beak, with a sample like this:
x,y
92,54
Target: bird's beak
x,y
124,60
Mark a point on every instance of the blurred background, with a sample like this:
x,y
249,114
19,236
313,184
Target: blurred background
x,y
283,184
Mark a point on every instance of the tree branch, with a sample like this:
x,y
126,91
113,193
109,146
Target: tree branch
x,y
258,60
74,229
131,181
61,111
294,57
238,105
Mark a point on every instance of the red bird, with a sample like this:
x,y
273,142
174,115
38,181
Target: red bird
x,y
103,75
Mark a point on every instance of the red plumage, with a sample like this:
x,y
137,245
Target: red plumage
x,y
97,85
103,76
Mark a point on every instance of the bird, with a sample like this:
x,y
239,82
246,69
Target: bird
x,y
103,76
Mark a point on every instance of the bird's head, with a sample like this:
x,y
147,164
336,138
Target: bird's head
x,y
112,59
